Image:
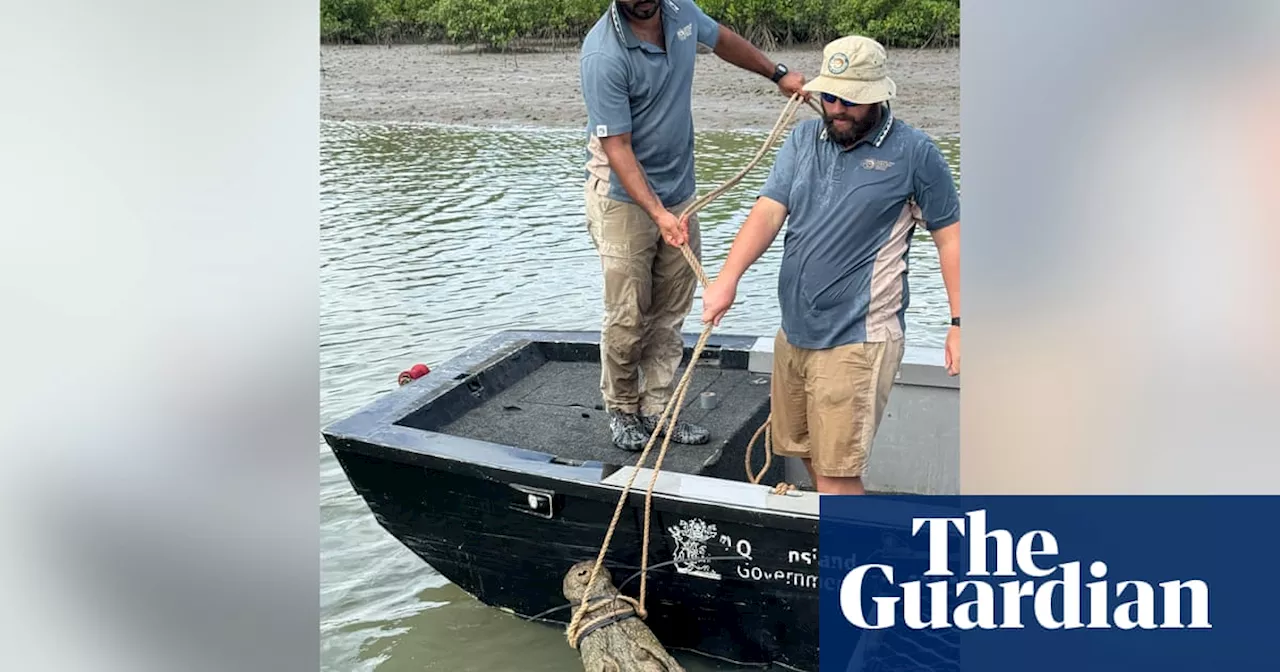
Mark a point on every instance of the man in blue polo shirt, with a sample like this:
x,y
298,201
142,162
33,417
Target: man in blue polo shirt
x,y
637,80
852,188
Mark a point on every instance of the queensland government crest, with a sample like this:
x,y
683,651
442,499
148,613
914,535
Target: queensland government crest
x,y
691,537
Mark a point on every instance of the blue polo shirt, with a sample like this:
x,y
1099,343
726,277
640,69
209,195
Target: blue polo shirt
x,y
851,213
640,88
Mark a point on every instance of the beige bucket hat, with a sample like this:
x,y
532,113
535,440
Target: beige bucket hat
x,y
853,67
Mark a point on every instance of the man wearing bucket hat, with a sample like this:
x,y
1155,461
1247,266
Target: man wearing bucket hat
x,y
637,67
852,187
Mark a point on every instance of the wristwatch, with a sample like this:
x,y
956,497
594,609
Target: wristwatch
x,y
955,321
779,71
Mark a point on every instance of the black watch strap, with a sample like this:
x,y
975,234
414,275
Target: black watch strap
x,y
779,71
955,321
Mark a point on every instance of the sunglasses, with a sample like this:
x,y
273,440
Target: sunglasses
x,y
832,99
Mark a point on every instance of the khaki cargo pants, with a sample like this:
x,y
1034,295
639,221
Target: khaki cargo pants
x,y
648,291
827,404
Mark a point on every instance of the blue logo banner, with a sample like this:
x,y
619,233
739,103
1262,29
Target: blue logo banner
x,y
1093,583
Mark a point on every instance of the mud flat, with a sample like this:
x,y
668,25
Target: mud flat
x,y
445,84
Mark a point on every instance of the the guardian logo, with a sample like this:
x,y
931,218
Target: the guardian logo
x,y
1136,604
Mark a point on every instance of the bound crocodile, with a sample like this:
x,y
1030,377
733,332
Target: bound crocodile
x,y
611,636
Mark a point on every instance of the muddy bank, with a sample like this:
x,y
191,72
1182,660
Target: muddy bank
x,y
442,84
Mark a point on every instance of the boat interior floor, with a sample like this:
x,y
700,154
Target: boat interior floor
x,y
557,409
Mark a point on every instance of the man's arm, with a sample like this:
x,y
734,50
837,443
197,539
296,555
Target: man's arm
x,y
756,235
625,166
948,242
605,90
766,216
939,201
735,49
947,239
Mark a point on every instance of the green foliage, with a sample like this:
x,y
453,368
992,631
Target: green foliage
x,y
494,23
567,19
899,23
399,20
343,20
379,20
812,21
767,23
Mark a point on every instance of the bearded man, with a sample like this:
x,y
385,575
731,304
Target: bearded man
x,y
637,67
852,188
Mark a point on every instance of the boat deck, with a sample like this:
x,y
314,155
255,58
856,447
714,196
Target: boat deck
x,y
556,408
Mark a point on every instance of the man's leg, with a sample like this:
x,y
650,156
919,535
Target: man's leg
x,y
788,400
625,239
674,283
839,485
851,386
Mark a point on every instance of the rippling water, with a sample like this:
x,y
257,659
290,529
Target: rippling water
x,y
433,238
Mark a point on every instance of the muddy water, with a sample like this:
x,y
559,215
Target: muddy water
x,y
432,238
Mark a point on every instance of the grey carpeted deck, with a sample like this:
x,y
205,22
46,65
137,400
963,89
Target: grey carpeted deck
x,y
556,410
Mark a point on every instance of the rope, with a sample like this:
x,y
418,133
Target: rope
x,y
677,400
620,612
768,450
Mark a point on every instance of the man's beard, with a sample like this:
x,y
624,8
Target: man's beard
x,y
855,131
644,9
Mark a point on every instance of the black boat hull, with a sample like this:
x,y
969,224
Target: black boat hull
x,y
757,605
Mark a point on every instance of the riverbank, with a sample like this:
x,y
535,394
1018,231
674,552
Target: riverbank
x,y
443,84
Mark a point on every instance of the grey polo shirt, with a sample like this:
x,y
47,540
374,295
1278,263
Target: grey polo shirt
x,y
641,88
851,213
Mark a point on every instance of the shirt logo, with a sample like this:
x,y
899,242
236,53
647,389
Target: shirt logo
x,y
876,164
685,32
602,131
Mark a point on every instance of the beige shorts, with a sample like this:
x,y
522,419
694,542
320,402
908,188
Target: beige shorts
x,y
827,404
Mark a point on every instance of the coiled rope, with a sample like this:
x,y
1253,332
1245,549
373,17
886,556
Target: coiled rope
x,y
673,407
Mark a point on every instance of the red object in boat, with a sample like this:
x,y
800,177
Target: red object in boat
x,y
413,373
